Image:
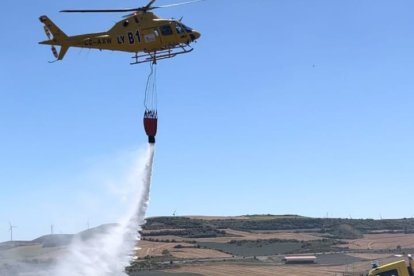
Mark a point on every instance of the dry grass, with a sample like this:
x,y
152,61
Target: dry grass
x,y
154,248
241,235
264,270
371,241
383,241
283,235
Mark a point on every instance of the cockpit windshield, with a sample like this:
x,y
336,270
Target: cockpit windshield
x,y
181,28
187,29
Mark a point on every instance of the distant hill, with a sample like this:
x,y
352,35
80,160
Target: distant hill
x,y
211,225
338,227
54,240
13,244
58,240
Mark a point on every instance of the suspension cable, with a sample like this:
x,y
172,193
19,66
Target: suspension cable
x,y
148,87
154,88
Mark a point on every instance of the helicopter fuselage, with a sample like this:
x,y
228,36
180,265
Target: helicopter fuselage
x,y
141,32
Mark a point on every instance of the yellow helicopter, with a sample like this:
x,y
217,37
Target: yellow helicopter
x,y
141,32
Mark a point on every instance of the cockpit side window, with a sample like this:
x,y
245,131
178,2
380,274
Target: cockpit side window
x,y
179,28
166,30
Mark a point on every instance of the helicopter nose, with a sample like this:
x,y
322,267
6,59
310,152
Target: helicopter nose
x,y
195,35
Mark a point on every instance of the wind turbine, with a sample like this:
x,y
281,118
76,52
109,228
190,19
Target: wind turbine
x,y
11,227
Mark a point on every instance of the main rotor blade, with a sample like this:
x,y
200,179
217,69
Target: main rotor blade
x,y
177,4
148,6
113,10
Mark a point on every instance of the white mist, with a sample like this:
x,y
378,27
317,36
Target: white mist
x,y
110,252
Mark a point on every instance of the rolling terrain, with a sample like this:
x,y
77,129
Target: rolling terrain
x,y
246,245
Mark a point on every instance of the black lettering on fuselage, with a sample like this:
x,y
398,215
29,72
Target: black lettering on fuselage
x,y
97,41
138,36
131,38
121,39
104,41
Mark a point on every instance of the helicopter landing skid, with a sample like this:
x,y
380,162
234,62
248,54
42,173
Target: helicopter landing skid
x,y
161,54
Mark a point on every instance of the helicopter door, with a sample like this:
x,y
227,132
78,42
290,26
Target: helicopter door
x,y
167,35
152,38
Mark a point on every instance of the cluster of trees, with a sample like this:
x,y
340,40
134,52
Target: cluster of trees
x,y
198,232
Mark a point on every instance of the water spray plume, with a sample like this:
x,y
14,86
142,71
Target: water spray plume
x,y
108,253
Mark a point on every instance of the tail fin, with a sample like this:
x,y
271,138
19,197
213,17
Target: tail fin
x,y
56,37
57,33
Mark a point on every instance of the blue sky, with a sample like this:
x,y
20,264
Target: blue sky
x,y
290,106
